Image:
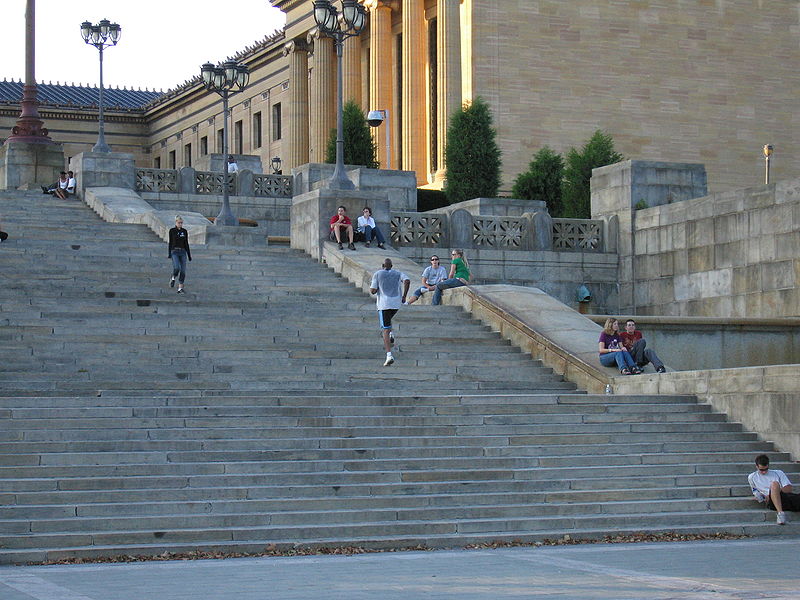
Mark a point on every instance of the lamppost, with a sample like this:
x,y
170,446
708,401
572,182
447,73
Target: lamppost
x,y
101,36
226,80
768,148
339,27
276,165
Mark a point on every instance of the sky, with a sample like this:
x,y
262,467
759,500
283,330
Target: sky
x,y
162,44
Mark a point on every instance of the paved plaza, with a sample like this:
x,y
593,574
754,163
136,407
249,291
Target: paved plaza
x,y
734,569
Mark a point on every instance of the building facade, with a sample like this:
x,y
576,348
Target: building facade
x,y
707,81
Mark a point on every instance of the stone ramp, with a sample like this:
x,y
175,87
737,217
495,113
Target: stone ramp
x,y
254,411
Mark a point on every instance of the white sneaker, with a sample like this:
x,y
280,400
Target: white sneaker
x,y
781,518
390,360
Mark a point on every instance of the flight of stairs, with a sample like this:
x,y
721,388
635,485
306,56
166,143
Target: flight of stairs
x,y
254,412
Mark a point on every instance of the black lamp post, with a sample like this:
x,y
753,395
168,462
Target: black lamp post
x,y
226,80
276,165
339,27
101,36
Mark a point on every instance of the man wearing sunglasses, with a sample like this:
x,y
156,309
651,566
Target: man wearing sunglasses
x,y
772,486
430,277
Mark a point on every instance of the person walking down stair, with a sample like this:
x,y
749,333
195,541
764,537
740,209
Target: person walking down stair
x,y
391,286
179,252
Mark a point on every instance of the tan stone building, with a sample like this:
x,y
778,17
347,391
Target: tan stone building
x,y
706,81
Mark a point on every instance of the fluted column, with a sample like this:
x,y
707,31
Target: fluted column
x,y
448,40
351,70
381,73
297,112
322,95
414,126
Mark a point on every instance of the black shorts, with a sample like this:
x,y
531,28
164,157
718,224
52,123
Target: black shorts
x,y
385,317
790,501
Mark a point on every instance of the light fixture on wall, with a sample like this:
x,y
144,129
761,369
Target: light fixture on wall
x,y
101,36
374,119
276,165
768,148
338,26
226,79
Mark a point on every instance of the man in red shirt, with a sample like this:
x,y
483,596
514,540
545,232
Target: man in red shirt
x,y
341,222
636,345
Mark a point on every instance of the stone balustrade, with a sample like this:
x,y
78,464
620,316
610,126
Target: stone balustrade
x,y
191,181
529,231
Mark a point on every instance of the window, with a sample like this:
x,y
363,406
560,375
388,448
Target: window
x,y
238,146
187,155
172,159
220,144
257,130
203,145
157,162
276,122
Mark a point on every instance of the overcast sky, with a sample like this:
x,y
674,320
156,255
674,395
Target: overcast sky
x,y
163,42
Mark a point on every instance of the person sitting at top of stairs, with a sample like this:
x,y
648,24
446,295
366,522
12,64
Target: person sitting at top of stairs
x,y
340,222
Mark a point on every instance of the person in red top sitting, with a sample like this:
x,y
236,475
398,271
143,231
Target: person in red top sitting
x,y
341,222
636,345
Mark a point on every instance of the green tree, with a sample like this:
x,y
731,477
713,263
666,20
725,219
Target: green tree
x,y
471,155
359,149
597,152
542,181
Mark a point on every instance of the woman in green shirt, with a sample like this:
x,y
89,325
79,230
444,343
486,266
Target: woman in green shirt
x,y
459,275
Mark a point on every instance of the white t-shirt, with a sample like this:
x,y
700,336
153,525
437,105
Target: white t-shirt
x,y
390,288
232,167
71,185
759,482
364,221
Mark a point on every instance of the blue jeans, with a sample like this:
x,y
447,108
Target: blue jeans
x,y
623,360
373,233
445,285
179,264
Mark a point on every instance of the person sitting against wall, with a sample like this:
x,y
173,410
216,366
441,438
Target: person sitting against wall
x,y
458,276
430,277
341,224
367,226
612,351
636,345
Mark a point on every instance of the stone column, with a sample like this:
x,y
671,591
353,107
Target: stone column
x,y
381,74
448,36
297,111
351,70
322,97
415,120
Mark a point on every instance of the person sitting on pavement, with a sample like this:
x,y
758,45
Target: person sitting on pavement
x,y
613,352
635,344
430,277
367,226
340,222
458,276
773,487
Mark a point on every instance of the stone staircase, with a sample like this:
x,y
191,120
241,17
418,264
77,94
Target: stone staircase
x,y
254,412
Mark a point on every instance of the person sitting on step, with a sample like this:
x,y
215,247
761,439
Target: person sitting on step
x,y
340,224
430,277
773,487
636,345
367,226
613,352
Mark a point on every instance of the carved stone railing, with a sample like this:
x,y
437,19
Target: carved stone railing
x,y
157,180
190,181
583,235
530,231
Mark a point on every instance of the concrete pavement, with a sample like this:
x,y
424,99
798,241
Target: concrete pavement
x,y
724,570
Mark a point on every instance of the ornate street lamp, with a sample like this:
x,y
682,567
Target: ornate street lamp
x,y
101,36
226,80
768,149
276,165
339,27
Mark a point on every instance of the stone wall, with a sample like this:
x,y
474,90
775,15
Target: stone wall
x,y
731,254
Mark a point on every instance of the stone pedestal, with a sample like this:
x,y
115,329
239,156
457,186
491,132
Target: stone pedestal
x,y
311,214
29,165
103,169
